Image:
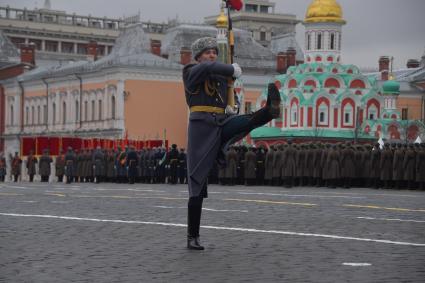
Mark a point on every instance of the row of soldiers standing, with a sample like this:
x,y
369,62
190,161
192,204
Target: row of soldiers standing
x,y
330,165
154,165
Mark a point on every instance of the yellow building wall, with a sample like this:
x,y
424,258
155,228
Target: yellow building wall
x,y
414,106
153,106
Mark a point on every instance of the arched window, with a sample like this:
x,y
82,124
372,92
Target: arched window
x,y
38,115
319,41
113,107
12,120
332,82
77,111
332,47
100,109
64,113
54,113
323,114
45,114
294,114
372,112
93,108
348,115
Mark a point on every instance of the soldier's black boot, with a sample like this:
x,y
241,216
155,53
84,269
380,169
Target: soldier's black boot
x,y
270,111
193,223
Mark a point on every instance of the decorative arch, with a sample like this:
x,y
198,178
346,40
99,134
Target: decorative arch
x,y
412,132
358,83
332,82
393,132
292,83
294,112
348,113
373,109
322,112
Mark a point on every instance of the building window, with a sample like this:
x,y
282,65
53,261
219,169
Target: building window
x,y
51,46
38,115
77,111
308,41
93,108
86,110
332,47
81,48
67,47
27,115
45,115
348,115
248,107
12,122
100,109
373,112
404,114
54,113
319,41
32,115
339,41
64,113
323,114
113,107
37,43
294,114
262,36
251,8
264,9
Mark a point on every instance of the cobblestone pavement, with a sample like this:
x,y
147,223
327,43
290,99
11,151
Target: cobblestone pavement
x,y
137,233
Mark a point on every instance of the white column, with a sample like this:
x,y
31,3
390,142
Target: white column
x,y
60,46
119,101
43,45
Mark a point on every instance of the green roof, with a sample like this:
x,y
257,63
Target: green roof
x,y
391,87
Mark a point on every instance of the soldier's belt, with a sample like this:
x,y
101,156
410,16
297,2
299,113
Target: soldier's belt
x,y
209,109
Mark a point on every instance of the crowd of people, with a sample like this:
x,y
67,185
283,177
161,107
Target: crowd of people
x,y
396,166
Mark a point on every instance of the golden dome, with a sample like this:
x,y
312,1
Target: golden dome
x,y
222,20
321,11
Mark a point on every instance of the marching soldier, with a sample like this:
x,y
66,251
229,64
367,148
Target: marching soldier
x,y
231,166
2,167
121,166
173,159
398,169
375,160
268,168
386,165
16,163
250,167
300,160
182,167
348,167
333,167
110,166
317,168
289,165
70,161
44,166
131,163
79,165
277,165
420,166
98,161
409,166
60,166
261,158
31,162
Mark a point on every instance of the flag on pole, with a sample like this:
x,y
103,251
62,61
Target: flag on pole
x,y
235,4
381,143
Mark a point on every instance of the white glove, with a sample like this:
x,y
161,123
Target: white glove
x,y
230,110
237,70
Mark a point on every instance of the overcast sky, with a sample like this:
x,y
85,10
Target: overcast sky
x,y
374,27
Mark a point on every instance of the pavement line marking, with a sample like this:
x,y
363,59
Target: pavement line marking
x,y
28,201
386,208
16,187
356,264
223,210
10,194
392,219
290,195
273,202
55,194
220,228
